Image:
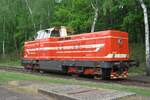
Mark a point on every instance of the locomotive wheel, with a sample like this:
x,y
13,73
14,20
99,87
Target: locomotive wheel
x,y
106,73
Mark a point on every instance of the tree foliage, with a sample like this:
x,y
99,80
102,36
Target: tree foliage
x,y
17,23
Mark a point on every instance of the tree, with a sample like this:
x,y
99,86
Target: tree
x,y
75,14
20,18
95,17
30,11
3,55
147,45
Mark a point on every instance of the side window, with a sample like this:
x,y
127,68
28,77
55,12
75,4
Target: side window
x,y
42,34
39,35
55,33
45,35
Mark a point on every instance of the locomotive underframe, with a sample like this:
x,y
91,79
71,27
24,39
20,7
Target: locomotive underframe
x,y
105,69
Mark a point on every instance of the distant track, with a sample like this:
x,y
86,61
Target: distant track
x,y
129,81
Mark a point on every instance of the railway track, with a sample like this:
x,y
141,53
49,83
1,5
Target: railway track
x,y
129,81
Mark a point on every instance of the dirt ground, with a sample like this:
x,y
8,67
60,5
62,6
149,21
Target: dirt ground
x,y
141,78
16,91
11,94
28,90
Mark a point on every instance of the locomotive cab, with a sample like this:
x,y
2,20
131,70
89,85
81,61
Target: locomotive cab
x,y
51,32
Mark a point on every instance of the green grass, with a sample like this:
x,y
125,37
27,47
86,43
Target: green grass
x,y
10,76
10,62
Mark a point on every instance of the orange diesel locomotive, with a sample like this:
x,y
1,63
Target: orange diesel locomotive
x,y
103,53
